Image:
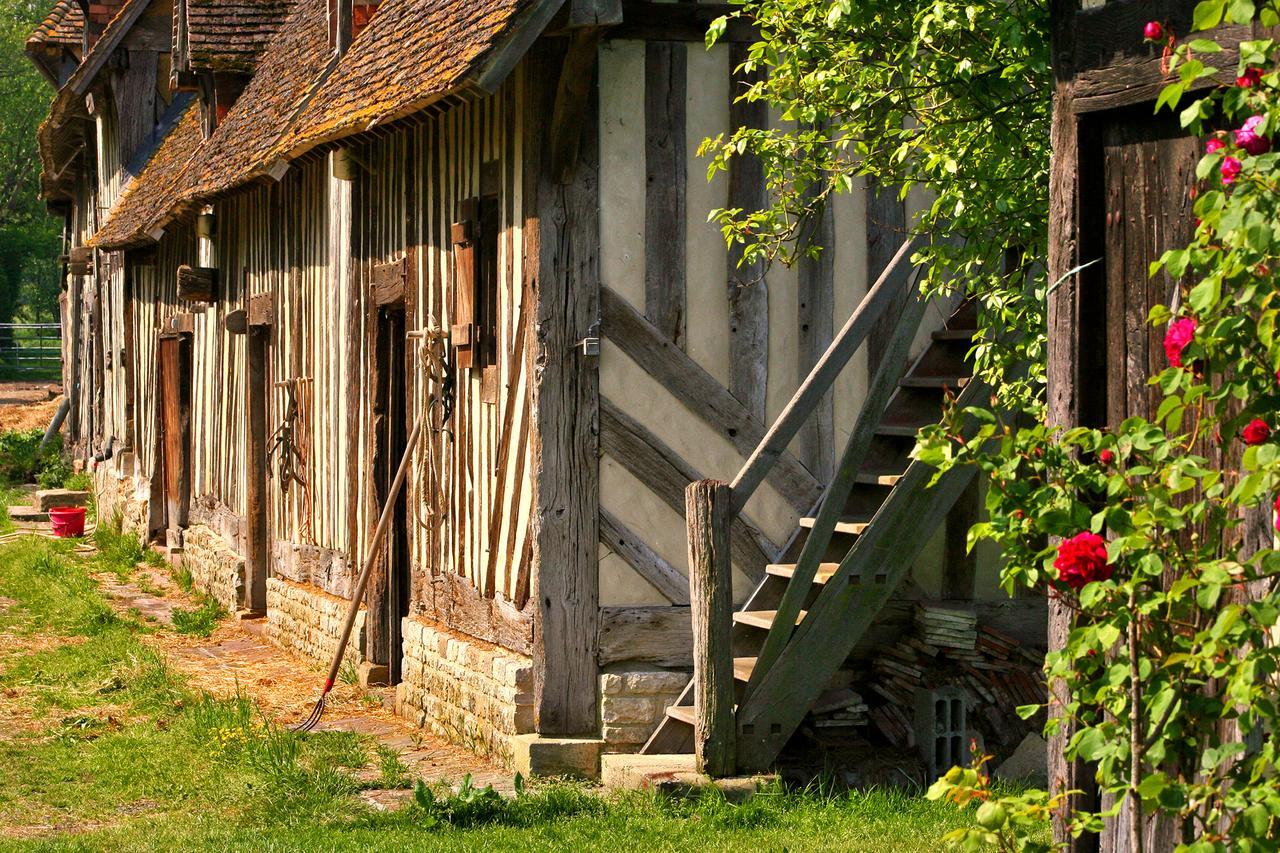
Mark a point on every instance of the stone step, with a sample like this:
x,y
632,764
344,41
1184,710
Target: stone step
x,y
46,499
27,515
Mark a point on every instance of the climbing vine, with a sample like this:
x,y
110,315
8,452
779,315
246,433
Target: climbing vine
x,y
1157,533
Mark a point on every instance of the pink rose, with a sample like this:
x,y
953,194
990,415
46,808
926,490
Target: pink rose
x,y
1230,170
1276,507
1248,138
1178,337
1153,31
1255,432
1082,559
1250,78
1214,145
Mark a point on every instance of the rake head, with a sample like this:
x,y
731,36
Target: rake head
x,y
314,717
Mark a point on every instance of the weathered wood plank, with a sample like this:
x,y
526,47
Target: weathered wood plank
x,y
667,475
656,635
886,229
748,290
815,310
701,394
573,94
628,545
564,405
665,195
257,387
711,611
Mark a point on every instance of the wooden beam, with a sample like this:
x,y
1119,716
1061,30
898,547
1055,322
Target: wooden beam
x,y
647,20
666,166
711,600
453,602
886,229
573,93
667,475
257,390
815,310
628,545
702,395
504,58
197,284
594,13
656,635
562,229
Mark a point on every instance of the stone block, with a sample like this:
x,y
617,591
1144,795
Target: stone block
x,y
657,682
47,499
534,755
628,710
373,674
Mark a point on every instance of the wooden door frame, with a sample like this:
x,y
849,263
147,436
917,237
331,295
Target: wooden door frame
x,y
177,511
257,402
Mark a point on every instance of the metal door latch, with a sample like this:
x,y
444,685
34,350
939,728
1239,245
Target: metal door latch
x,y
590,345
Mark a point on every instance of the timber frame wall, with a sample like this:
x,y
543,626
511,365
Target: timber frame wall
x,y
548,520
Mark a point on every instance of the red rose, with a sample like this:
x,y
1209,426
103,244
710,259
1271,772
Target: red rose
x,y
1082,559
1176,340
1153,31
1255,432
1276,507
1214,145
1248,137
1106,457
1230,170
1250,78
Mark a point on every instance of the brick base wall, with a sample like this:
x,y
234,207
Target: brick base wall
x,y
632,704
308,621
467,691
214,565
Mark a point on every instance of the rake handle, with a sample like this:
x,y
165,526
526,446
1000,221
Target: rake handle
x,y
375,551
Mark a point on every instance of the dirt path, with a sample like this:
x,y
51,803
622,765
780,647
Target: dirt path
x,y
28,405
237,657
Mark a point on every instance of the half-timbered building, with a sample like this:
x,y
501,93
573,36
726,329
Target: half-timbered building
x,y
298,228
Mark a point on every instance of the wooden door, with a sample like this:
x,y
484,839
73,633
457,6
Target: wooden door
x,y
175,422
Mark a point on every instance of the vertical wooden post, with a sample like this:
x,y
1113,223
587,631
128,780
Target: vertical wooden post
x,y
256,462
711,602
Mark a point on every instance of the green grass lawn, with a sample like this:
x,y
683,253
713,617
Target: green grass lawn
x,y
102,747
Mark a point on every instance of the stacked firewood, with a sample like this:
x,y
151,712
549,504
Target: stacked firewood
x,y
946,646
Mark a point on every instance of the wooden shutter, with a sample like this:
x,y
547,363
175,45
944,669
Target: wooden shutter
x,y
475,298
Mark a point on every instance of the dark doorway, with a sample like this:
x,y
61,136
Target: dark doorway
x,y
388,599
175,428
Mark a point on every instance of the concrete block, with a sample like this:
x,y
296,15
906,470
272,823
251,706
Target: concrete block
x,y
535,755
373,674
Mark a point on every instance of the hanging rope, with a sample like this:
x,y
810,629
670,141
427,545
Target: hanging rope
x,y
433,358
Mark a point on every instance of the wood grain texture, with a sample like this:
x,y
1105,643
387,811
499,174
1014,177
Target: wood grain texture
x,y
707,515
656,635
815,310
886,229
665,192
748,290
624,542
701,394
564,413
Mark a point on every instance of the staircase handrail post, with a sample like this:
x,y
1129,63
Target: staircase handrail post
x,y
888,286
708,518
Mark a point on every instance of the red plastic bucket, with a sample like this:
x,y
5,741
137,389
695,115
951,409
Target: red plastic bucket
x,y
67,520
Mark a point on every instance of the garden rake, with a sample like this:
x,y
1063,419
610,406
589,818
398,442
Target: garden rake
x,y
375,551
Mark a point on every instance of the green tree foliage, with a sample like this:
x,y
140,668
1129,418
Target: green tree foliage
x,y
949,98
28,236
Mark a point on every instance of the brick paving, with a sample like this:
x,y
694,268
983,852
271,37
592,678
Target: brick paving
x,y
238,657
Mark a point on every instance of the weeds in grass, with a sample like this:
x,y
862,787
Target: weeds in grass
x,y
118,552
182,577
394,773
349,673
201,621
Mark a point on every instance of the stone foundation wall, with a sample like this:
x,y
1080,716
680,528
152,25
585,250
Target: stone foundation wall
x,y
118,492
309,621
215,567
632,704
467,691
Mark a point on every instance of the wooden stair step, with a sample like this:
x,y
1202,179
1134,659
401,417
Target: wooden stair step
x,y
683,713
954,334
854,526
788,570
954,382
902,430
879,478
742,668
761,618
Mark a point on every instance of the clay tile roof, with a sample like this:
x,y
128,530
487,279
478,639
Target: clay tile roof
x,y
242,147
158,189
64,25
231,35
411,54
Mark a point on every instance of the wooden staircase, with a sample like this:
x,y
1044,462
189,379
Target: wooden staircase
x,y
805,617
